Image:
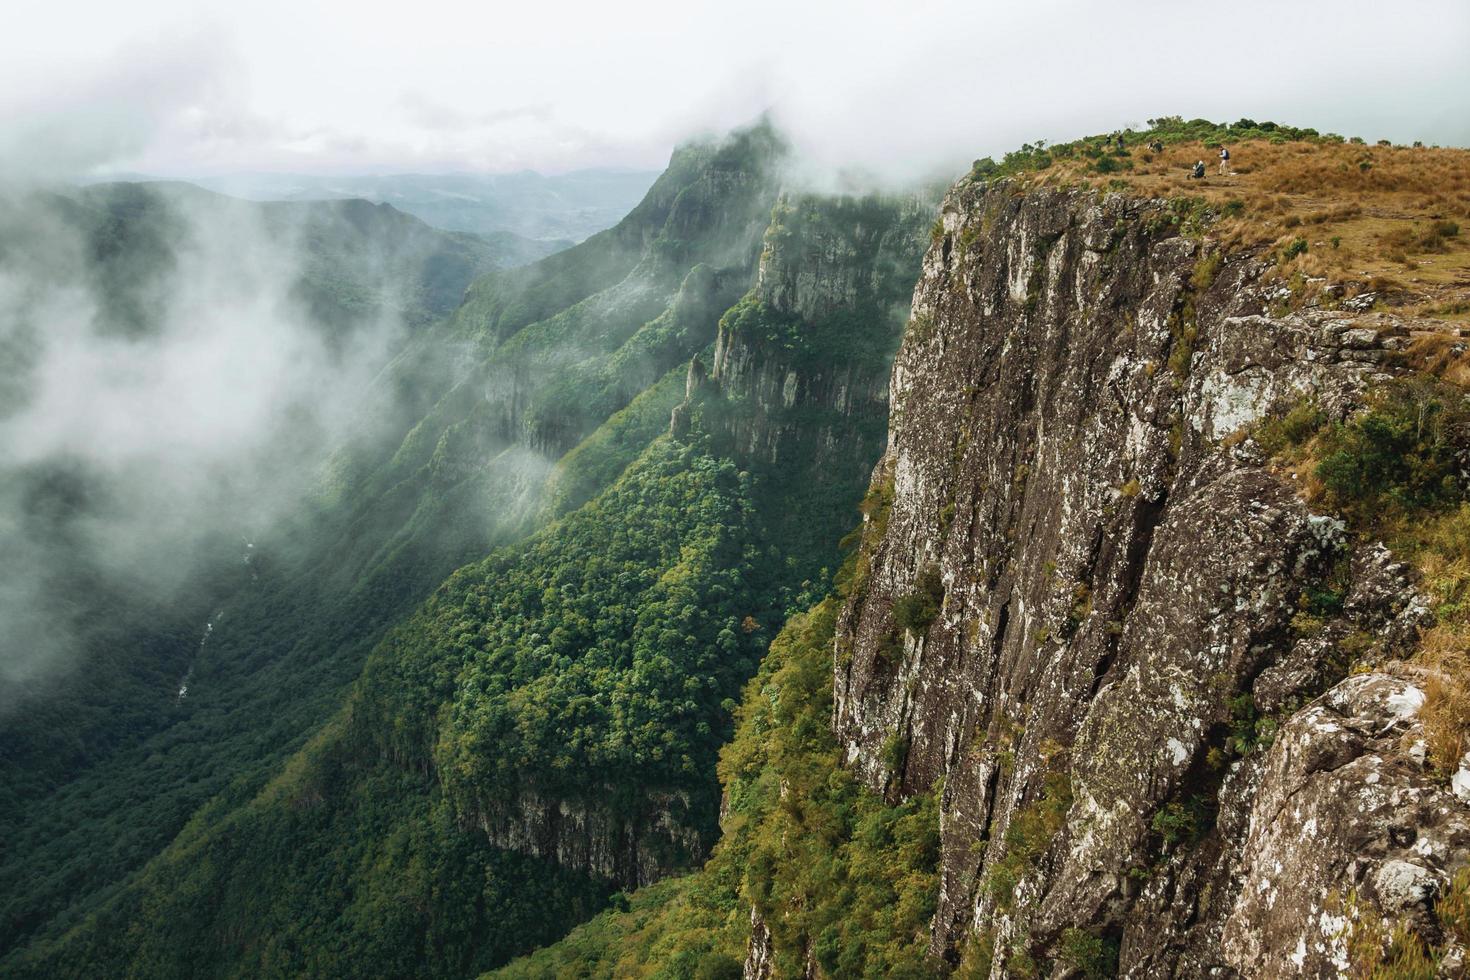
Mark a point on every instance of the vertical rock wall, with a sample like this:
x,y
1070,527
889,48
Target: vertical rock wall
x,y
1120,572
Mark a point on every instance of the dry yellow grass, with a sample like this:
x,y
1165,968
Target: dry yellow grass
x,y
1441,354
1375,218
1446,711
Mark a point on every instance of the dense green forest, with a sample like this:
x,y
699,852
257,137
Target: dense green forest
x,y
423,490
827,864
592,661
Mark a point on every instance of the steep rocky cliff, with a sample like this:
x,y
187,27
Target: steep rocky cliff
x,y
1082,613
806,353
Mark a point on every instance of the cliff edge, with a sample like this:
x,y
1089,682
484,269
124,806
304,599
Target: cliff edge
x,y
1082,614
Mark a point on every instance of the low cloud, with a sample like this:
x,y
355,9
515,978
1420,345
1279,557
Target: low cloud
x,y
158,401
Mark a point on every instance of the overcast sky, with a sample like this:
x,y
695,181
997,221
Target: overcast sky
x,y
200,87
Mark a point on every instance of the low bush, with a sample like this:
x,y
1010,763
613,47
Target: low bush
x,y
1092,957
915,612
1407,451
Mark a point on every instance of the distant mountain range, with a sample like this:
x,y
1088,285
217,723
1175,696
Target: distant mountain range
x,y
350,250
564,206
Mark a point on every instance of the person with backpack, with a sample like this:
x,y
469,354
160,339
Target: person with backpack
x,y
1224,160
1198,173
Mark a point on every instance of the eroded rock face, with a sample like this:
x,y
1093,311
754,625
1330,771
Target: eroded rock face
x,y
810,363
759,955
630,850
1343,806
1122,578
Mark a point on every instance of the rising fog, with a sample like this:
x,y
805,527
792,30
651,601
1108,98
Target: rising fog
x,y
156,396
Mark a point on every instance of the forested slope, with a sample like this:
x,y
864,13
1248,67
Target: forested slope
x,y
543,729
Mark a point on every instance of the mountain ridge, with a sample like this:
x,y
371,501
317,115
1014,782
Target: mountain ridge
x,y
527,204
1116,639
634,303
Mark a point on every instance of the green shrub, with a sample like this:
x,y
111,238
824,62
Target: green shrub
x,y
895,752
1091,956
983,167
1174,823
1299,424
1248,728
915,612
1406,451
1297,246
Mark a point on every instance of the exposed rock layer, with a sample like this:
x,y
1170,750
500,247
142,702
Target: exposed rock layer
x,y
1120,568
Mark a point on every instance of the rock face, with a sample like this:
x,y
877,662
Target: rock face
x,y
1341,803
1120,633
631,852
759,956
806,354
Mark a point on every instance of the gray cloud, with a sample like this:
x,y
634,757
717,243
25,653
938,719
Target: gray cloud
x,y
890,88
56,124
150,409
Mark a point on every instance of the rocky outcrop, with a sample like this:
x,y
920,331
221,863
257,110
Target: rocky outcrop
x,y
807,352
630,851
760,955
1345,824
1119,576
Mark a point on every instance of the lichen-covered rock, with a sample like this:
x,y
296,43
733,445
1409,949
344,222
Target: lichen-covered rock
x,y
1122,575
1343,809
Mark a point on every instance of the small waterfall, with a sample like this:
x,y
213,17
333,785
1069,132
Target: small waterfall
x,y
203,640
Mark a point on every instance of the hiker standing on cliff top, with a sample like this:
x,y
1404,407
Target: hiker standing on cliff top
x,y
1224,160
